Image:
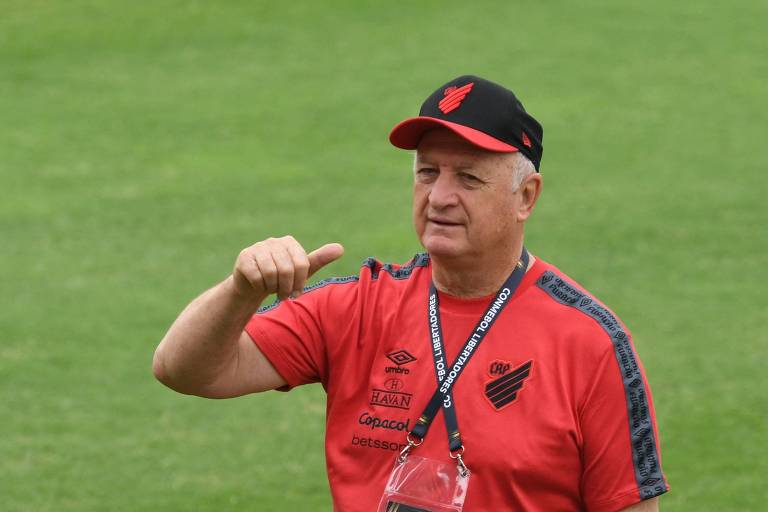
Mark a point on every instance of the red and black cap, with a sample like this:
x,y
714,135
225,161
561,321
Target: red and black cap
x,y
482,112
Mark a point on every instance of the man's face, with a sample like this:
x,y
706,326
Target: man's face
x,y
463,203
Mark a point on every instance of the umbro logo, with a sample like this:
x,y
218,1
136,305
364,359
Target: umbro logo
x,y
400,358
503,390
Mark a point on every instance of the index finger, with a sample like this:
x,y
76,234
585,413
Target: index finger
x,y
300,267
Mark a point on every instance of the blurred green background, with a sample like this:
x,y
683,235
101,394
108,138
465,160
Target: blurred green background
x,y
143,144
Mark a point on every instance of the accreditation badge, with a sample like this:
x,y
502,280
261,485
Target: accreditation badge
x,y
418,484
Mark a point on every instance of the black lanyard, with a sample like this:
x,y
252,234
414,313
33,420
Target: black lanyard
x,y
448,375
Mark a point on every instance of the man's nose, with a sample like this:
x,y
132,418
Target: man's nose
x,y
443,192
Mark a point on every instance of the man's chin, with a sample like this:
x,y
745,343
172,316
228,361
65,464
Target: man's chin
x,y
443,248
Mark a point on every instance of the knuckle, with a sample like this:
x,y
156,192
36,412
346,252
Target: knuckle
x,y
268,272
241,263
254,280
282,266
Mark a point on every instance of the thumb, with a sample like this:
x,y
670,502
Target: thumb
x,y
323,256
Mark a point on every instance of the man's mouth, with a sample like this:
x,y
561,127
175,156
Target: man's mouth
x,y
443,222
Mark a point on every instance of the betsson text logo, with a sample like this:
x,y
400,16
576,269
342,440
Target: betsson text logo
x,y
372,442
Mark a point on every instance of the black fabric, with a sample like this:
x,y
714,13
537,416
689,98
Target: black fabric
x,y
438,356
493,110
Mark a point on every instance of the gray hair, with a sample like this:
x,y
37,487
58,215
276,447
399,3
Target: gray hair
x,y
521,167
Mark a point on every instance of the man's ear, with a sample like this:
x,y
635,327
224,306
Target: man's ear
x,y
529,191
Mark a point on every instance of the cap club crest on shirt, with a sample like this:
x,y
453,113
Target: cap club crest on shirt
x,y
506,382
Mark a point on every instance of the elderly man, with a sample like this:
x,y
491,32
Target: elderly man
x,y
536,383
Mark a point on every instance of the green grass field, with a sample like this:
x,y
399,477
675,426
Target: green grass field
x,y
143,144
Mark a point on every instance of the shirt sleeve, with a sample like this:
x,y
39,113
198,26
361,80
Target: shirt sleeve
x,y
294,334
620,450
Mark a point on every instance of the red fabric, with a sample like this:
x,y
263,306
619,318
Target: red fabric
x,y
454,97
407,134
562,444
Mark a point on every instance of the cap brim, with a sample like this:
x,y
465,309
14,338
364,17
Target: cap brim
x,y
408,133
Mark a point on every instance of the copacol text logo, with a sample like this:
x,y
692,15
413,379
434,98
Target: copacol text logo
x,y
400,358
375,422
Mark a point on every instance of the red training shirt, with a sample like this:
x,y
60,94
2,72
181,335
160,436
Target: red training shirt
x,y
576,432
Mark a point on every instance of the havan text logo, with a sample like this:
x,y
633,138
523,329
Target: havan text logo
x,y
394,399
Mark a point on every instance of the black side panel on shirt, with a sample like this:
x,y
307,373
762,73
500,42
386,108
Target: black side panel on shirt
x,y
650,480
404,272
312,287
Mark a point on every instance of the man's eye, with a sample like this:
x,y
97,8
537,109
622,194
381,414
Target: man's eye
x,y
471,178
426,173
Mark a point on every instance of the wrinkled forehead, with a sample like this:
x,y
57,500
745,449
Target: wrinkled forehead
x,y
443,147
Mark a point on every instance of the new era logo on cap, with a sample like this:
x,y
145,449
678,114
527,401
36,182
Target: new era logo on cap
x,y
454,97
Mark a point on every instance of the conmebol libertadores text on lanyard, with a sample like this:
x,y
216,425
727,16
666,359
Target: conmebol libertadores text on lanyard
x,y
448,375
426,485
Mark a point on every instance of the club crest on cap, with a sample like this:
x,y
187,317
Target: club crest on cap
x,y
493,119
453,97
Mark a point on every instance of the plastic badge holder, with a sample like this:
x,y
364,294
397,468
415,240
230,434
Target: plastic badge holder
x,y
427,485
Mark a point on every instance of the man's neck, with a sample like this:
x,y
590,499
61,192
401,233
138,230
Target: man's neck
x,y
476,278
